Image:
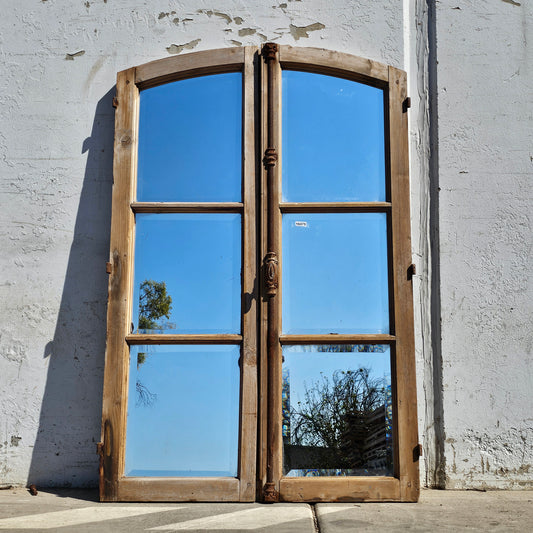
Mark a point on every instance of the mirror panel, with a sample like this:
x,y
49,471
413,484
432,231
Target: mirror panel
x,y
337,411
190,140
187,276
333,139
183,411
335,273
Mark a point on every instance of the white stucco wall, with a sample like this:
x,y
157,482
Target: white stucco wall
x,y
485,161
59,63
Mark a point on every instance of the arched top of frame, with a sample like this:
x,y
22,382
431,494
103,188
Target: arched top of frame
x,y
232,59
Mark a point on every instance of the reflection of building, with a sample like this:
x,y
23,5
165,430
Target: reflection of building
x,y
286,406
378,443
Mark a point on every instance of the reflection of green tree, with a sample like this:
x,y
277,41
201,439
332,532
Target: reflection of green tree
x,y
339,419
154,303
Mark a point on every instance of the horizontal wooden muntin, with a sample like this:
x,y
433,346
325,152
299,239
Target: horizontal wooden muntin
x,y
187,207
335,207
162,338
333,338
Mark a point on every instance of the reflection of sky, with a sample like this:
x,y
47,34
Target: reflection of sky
x,y
333,139
191,427
308,367
190,140
198,256
334,265
335,273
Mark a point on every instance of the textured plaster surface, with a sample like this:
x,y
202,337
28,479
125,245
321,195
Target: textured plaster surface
x,y
59,63
485,108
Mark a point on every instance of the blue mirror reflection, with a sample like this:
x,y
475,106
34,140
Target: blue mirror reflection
x,y
187,276
333,139
335,273
190,140
183,411
337,410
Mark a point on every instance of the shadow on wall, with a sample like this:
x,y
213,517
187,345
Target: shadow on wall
x,y
64,454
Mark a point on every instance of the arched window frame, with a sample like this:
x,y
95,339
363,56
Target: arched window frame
x,y
260,434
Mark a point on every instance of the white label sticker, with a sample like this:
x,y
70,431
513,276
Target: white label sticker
x,y
300,224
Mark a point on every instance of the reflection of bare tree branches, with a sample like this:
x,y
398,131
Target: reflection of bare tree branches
x,y
144,396
336,419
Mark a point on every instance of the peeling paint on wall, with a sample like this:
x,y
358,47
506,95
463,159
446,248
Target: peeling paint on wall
x,y
56,142
178,48
246,31
70,57
299,32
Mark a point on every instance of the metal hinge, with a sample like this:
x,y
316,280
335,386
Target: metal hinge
x,y
108,268
406,104
411,271
100,449
417,452
115,102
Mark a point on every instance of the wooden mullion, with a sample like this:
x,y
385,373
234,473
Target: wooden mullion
x,y
119,290
187,207
263,301
248,403
272,270
404,357
337,339
335,207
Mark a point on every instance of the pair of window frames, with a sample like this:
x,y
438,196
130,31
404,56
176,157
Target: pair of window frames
x,y
266,193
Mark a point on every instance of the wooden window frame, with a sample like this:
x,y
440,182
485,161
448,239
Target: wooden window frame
x,y
260,449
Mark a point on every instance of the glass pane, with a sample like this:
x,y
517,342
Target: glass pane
x,y
190,137
333,139
337,410
187,273
335,273
183,411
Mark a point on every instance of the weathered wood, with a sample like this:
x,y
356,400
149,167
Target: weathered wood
x,y
335,207
135,489
201,338
188,66
334,64
339,489
119,289
248,410
263,300
404,486
337,339
272,269
405,371
187,207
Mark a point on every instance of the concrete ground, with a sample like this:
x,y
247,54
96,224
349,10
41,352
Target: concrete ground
x,y
79,510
